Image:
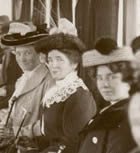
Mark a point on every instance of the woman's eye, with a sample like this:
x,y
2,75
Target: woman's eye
x,y
27,53
98,78
113,77
59,59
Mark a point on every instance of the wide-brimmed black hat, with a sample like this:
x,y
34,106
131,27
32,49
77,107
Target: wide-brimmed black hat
x,y
22,34
60,42
17,39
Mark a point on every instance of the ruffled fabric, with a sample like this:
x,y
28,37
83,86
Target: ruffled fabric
x,y
63,89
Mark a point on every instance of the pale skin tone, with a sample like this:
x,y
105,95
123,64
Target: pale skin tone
x,y
60,65
110,85
28,59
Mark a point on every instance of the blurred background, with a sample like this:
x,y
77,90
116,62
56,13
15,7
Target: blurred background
x,y
119,19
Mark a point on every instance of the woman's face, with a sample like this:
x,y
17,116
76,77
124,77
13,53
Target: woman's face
x,y
111,85
27,58
60,65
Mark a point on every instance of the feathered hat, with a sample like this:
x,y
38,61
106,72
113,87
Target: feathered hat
x,y
105,52
62,37
60,41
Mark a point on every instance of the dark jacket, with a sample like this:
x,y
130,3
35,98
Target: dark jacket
x,y
11,72
64,120
109,131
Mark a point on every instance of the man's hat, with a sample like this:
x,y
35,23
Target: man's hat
x,y
22,34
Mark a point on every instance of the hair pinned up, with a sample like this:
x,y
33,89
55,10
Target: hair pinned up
x,y
60,41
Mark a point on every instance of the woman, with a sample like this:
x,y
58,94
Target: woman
x,y
68,105
109,131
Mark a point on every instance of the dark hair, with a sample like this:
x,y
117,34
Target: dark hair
x,y
135,44
124,67
60,42
73,55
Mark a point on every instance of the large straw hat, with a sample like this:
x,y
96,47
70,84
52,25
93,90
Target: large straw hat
x,y
94,57
106,51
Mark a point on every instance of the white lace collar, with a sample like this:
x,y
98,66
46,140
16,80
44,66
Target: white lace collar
x,y
63,89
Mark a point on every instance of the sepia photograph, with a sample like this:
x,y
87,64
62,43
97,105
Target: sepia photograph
x,y
69,76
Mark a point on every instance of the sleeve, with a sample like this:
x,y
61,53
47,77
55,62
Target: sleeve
x,y
79,109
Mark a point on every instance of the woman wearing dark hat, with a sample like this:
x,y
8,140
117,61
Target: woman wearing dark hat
x,y
109,130
68,105
30,87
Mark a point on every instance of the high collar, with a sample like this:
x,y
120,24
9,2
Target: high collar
x,y
63,89
116,105
67,80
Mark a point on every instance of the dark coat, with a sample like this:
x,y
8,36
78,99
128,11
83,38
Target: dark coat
x,y
64,120
11,72
109,132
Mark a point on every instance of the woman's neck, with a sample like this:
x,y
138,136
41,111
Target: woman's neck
x,y
125,96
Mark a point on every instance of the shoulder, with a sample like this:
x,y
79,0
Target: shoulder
x,y
81,96
81,101
81,93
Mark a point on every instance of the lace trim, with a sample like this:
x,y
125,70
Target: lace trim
x,y
63,93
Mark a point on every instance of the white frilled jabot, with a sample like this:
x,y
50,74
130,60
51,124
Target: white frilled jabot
x,y
63,89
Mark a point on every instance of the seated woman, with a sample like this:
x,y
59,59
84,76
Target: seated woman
x,y
109,131
68,105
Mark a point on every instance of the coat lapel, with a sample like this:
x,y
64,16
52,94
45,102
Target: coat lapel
x,y
37,77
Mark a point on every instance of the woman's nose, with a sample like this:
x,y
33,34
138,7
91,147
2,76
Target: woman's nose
x,y
22,58
54,64
106,83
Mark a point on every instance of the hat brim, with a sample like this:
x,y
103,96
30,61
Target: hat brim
x,y
95,58
18,40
